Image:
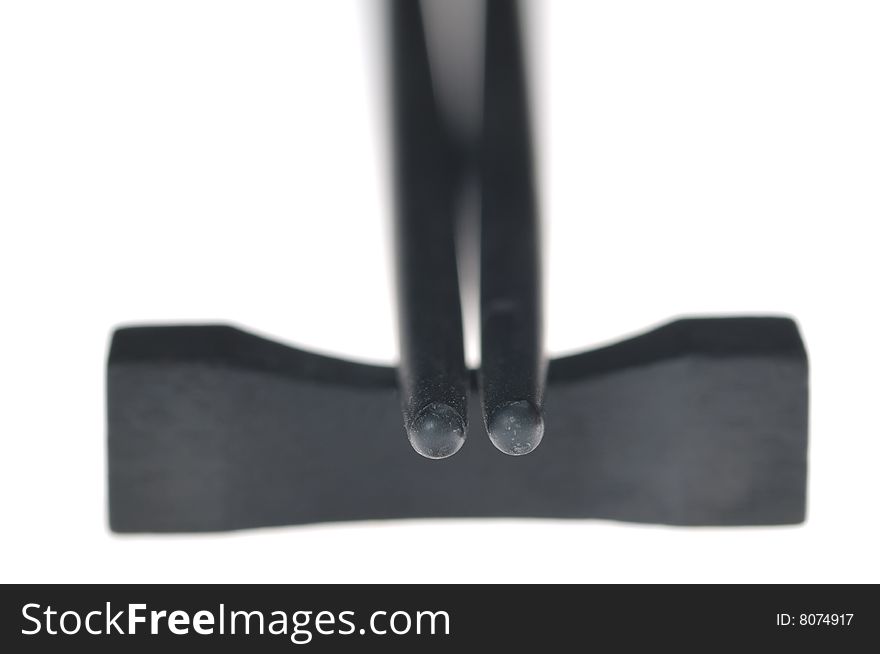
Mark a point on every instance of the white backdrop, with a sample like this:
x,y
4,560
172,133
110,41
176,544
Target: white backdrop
x,y
213,160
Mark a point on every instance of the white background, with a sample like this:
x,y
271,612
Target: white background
x,y
191,161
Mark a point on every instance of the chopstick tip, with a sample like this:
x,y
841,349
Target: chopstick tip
x,y
516,428
437,432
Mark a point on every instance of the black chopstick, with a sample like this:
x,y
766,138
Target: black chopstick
x,y
513,364
433,378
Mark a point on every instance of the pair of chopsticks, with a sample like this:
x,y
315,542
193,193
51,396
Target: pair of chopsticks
x,y
433,377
